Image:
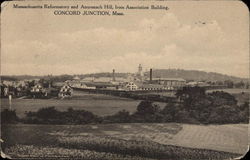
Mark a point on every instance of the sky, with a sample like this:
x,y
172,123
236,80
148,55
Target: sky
x,y
211,36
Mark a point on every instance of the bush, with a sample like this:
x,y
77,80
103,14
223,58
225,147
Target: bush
x,y
120,117
50,115
47,113
147,112
146,107
221,98
9,116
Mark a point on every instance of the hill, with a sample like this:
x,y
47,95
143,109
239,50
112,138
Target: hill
x,y
157,73
193,75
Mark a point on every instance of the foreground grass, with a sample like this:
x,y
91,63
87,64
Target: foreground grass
x,y
75,152
110,141
30,151
144,148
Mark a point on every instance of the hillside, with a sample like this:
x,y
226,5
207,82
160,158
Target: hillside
x,y
176,73
193,75
157,73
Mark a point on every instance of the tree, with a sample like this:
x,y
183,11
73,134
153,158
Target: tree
x,y
8,116
221,98
190,92
120,117
146,107
240,84
229,83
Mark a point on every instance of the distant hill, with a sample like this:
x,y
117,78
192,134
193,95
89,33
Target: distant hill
x,y
104,74
157,73
19,77
193,75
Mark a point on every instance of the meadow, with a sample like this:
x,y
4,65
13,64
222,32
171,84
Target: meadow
x,y
98,104
126,141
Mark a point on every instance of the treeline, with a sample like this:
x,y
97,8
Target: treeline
x,y
198,108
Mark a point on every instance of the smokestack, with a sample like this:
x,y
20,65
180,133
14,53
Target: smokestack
x,y
151,75
113,74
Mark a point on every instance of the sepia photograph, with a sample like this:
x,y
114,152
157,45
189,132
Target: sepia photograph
x,y
124,80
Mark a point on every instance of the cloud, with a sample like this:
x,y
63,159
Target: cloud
x,y
159,43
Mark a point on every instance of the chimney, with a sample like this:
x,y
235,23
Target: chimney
x,y
113,74
151,75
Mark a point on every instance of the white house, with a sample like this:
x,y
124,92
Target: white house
x,y
131,86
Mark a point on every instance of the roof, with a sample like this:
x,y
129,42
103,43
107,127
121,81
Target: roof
x,y
58,84
121,79
100,79
76,78
103,79
88,79
170,79
150,86
105,84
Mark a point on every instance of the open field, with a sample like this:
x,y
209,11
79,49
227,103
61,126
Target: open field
x,y
230,137
26,139
96,103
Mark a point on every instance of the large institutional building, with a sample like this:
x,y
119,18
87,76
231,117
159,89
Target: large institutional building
x,y
133,82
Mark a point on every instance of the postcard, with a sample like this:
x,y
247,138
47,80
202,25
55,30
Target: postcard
x,y
119,80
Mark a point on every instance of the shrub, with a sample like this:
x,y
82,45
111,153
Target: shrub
x,y
222,98
120,117
47,113
50,115
146,107
78,117
147,112
9,116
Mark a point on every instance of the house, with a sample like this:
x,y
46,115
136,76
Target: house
x,y
37,91
4,90
65,91
131,86
37,88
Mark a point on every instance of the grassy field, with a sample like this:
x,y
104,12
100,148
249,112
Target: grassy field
x,y
97,103
139,140
230,137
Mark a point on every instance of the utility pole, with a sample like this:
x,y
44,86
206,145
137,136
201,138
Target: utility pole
x,y
10,98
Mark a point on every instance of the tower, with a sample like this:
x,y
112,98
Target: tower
x,y
113,76
151,75
140,70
